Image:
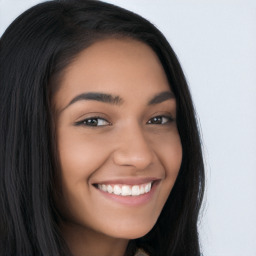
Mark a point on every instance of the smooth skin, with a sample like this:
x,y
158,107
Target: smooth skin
x,y
128,136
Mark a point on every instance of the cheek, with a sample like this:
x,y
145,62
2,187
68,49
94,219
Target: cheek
x,y
169,153
168,150
81,154
173,157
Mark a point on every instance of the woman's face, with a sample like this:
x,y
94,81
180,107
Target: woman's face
x,y
117,139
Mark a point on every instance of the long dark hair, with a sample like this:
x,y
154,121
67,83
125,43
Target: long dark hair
x,y
34,52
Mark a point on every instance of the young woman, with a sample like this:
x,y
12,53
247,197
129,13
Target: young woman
x,y
99,147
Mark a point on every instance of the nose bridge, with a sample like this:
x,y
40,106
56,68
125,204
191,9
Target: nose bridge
x,y
133,147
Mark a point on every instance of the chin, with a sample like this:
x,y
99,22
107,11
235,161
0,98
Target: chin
x,y
132,233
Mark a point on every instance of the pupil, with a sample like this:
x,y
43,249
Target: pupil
x,y
157,120
93,122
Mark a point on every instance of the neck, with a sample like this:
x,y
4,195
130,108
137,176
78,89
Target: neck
x,y
86,242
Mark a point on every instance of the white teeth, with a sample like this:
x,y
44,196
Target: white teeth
x,y
109,189
117,190
126,190
135,190
148,187
104,187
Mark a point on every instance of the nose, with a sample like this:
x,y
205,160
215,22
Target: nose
x,y
133,149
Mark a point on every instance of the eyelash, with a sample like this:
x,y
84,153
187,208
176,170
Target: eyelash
x,y
94,121
168,120
84,122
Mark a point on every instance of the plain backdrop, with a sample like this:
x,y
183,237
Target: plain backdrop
x,y
216,44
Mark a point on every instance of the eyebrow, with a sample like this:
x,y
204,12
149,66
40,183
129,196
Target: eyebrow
x,y
102,97
161,97
116,100
96,96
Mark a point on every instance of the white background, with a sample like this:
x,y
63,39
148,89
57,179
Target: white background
x,y
216,44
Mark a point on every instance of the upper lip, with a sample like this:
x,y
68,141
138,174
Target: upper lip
x,y
128,181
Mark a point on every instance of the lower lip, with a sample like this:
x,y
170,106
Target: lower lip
x,y
131,200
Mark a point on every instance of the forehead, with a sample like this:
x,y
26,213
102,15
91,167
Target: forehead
x,y
123,67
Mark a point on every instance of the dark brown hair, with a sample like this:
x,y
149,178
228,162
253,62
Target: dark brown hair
x,y
34,50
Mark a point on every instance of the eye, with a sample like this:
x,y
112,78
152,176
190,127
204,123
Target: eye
x,y
160,120
93,122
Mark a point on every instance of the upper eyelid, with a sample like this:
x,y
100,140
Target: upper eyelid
x,y
170,117
92,114
167,115
108,118
80,122
109,123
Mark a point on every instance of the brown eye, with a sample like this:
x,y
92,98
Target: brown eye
x,y
93,122
160,120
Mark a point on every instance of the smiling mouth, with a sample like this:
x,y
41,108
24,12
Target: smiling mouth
x,y
125,190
